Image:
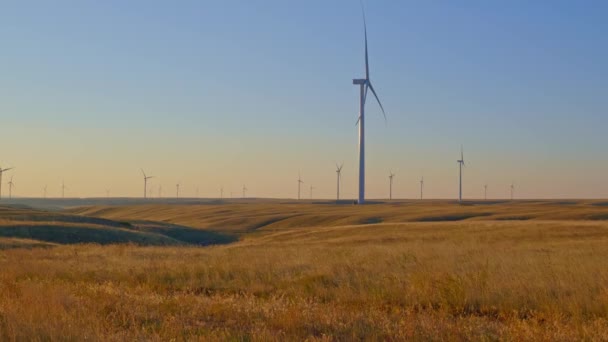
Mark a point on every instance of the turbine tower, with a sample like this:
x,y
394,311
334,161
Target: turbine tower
x,y
339,174
244,191
485,192
177,190
146,183
311,188
2,172
460,165
300,182
11,185
364,85
390,187
421,187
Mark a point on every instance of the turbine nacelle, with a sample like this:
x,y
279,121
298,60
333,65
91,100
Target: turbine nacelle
x,y
360,81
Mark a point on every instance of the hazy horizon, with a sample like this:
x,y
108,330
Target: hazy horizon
x,y
209,94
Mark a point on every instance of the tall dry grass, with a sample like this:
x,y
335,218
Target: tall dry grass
x,y
537,280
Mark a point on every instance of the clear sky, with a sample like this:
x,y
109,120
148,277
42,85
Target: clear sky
x,y
232,92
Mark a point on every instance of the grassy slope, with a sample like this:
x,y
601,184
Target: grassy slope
x,y
59,228
247,217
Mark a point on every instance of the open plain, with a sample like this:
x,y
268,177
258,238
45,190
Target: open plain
x,y
279,270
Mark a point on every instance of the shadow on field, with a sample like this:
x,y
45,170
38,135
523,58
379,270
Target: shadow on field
x,y
184,234
451,217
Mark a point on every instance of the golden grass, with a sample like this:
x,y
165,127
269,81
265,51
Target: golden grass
x,y
475,279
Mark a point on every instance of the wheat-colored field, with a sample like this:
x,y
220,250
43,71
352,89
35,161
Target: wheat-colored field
x,y
535,270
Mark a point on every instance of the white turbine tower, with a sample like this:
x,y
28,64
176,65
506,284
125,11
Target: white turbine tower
x,y
146,183
364,85
339,174
300,182
421,187
2,172
390,188
460,165
11,185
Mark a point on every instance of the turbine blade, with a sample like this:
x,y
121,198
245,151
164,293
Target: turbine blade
x,y
366,54
142,171
377,99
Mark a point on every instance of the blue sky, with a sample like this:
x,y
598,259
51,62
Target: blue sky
x,y
211,93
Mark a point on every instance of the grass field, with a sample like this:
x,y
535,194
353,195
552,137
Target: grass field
x,y
534,270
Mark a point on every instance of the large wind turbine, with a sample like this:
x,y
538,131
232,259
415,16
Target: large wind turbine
x,y
300,182
460,165
245,191
146,183
364,85
390,187
339,174
1,172
11,185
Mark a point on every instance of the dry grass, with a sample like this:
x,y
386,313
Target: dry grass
x,y
474,279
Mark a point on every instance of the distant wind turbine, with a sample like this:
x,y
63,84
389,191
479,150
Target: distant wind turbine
x,y
512,190
107,193
460,165
222,192
63,187
485,192
245,191
311,188
177,190
339,174
11,185
2,171
146,183
421,187
300,182
364,85
390,187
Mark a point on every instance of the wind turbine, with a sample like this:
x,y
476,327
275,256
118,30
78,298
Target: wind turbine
x,y
2,172
512,189
177,190
339,174
107,193
485,192
421,187
460,165
244,191
63,187
311,188
390,181
364,85
300,182
146,183
11,185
